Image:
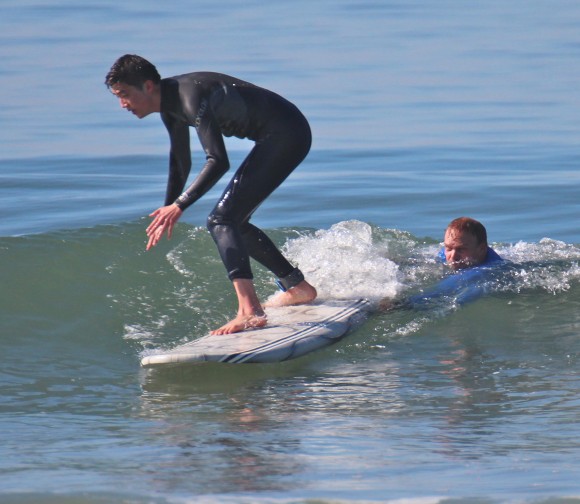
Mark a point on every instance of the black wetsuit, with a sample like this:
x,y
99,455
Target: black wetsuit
x,y
218,105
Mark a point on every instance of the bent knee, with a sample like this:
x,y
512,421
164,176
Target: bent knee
x,y
213,220
216,219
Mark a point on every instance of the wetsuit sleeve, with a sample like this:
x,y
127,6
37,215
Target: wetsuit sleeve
x,y
216,164
179,158
463,287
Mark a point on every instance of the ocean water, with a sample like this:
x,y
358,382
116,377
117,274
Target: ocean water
x,y
421,112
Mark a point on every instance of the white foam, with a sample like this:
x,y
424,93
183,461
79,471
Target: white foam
x,y
346,262
550,265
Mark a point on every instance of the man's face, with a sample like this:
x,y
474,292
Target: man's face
x,y
133,99
462,250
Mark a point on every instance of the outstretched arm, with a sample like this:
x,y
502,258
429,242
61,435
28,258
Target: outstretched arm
x,y
216,162
176,201
179,157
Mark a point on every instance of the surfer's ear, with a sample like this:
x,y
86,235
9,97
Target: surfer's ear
x,y
149,86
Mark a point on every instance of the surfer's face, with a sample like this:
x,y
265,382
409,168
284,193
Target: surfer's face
x,y
139,101
462,250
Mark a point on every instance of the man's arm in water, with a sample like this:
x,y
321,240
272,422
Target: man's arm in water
x,y
463,287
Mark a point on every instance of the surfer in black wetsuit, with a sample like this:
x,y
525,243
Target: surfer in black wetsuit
x,y
218,105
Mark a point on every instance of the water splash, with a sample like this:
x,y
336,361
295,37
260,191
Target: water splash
x,y
346,261
550,265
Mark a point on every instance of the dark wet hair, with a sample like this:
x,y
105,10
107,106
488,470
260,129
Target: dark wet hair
x,y
471,226
132,70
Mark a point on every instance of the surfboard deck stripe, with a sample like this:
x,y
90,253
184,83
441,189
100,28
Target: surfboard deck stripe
x,y
313,326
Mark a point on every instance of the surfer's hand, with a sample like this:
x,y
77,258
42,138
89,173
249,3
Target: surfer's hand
x,y
388,304
164,219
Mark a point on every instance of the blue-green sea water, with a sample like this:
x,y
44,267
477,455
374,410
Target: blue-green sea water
x,y
421,112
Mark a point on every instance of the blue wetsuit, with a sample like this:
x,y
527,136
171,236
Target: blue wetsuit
x,y
464,285
218,105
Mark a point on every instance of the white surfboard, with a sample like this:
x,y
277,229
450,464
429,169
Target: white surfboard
x,y
292,331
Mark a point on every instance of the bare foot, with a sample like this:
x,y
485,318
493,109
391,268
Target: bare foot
x,y
301,294
241,323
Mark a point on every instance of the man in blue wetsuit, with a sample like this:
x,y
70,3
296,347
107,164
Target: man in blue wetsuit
x,y
218,105
466,251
